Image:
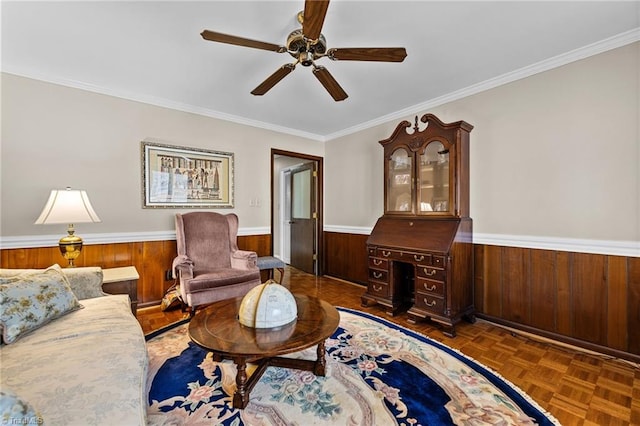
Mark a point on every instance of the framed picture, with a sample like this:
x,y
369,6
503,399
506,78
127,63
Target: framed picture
x,y
174,176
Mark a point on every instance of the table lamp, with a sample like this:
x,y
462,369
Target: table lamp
x,y
68,206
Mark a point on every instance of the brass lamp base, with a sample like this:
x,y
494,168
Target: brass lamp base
x,y
70,246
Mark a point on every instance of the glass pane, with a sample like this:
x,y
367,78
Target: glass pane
x,y
399,185
433,188
301,195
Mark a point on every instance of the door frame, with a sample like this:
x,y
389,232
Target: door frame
x,y
319,201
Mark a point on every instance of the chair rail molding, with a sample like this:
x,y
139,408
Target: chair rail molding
x,y
33,241
608,247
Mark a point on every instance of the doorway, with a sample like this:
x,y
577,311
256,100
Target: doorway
x,y
296,210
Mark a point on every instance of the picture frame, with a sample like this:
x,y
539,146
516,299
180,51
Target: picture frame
x,y
181,177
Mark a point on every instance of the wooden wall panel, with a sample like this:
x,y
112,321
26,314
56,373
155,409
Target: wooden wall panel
x,y
478,279
543,289
617,308
516,294
335,248
564,320
492,278
589,291
346,256
633,304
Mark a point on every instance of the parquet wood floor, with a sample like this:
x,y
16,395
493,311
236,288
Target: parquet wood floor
x,y
576,387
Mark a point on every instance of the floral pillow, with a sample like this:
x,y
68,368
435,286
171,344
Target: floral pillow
x,y
15,410
30,300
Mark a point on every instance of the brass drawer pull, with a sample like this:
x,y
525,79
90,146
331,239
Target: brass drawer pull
x,y
377,274
377,262
377,289
418,258
386,253
429,304
428,272
433,287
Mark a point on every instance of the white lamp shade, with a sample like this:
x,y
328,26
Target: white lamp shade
x,y
67,206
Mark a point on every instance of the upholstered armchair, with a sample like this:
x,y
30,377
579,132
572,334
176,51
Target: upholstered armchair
x,y
209,265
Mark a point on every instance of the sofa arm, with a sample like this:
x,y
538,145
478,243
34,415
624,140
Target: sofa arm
x,y
244,259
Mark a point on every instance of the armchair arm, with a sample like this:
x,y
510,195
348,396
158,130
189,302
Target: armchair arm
x,y
244,259
183,266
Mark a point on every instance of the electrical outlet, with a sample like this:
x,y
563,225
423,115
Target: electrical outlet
x,y
167,275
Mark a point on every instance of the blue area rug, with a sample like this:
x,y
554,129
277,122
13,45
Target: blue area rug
x,y
378,373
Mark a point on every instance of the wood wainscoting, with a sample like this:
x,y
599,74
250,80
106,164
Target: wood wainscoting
x,y
151,258
586,300
346,257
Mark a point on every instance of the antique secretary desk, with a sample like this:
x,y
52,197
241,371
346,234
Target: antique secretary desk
x,y
421,250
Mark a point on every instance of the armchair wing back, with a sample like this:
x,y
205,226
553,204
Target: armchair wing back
x,y
209,265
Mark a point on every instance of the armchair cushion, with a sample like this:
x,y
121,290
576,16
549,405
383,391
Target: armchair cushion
x,y
220,277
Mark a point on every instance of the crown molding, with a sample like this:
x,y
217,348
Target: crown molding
x,y
601,46
156,101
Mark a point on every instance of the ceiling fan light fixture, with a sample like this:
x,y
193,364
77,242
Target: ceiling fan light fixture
x,y
305,58
306,45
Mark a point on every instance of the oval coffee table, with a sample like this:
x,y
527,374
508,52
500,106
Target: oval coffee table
x,y
217,329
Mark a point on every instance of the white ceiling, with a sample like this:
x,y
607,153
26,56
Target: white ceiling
x,y
152,51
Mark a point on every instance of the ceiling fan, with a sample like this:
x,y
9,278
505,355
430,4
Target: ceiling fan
x,y
307,45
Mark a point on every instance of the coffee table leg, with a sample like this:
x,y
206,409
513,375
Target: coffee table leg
x,y
241,397
320,366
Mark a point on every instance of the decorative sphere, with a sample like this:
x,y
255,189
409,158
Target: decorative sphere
x,y
268,305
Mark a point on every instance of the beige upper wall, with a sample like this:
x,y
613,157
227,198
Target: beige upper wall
x,y
553,155
55,136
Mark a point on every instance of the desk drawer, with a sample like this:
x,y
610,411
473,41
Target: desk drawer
x,y
377,263
379,289
430,272
430,287
438,261
379,276
430,303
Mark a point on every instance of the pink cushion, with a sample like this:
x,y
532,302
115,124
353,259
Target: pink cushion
x,y
220,278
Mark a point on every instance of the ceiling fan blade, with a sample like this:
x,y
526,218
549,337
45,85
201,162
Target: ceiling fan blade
x,y
330,83
273,79
240,41
381,54
313,18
